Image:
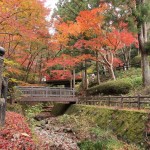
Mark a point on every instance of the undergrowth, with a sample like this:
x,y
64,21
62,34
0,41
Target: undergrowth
x,y
31,112
91,136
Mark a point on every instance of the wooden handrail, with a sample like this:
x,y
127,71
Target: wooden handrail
x,y
47,91
139,101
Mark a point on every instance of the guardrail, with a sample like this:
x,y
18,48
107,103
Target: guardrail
x,y
46,92
139,101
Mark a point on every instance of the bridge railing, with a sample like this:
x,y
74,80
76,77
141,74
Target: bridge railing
x,y
46,92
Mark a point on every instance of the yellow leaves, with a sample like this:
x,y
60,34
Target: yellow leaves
x,y
62,39
10,63
11,67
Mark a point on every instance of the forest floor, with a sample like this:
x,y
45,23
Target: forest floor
x,y
65,132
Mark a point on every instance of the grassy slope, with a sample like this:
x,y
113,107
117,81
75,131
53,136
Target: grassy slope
x,y
127,125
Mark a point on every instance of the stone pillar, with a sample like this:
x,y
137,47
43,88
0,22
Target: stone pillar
x,y
2,100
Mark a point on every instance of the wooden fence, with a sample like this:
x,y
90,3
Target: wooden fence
x,y
138,102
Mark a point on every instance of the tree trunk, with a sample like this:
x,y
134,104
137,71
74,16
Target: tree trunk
x,y
112,72
142,39
126,54
97,68
86,83
145,69
74,78
144,61
84,77
71,82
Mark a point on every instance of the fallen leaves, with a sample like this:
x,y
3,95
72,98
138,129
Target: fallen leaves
x,y
16,135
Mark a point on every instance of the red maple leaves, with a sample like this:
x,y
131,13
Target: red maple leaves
x,y
16,133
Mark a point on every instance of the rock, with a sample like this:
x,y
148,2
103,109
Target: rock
x,y
42,116
37,128
46,121
56,129
55,136
68,130
43,123
42,127
47,127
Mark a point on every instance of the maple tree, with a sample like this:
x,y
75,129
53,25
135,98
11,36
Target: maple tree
x,y
66,65
107,45
68,33
25,34
91,34
137,14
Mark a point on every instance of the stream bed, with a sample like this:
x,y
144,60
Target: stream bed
x,y
56,136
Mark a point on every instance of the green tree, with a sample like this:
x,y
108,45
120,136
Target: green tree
x,y
137,14
70,9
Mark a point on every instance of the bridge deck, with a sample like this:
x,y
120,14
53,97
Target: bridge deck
x,y
47,94
48,99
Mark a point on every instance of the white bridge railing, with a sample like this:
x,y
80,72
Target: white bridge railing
x,y
46,92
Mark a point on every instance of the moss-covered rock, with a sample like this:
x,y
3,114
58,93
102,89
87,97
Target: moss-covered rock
x,y
127,125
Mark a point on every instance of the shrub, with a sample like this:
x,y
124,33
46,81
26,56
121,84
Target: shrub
x,y
136,61
145,91
15,108
136,82
111,88
31,112
131,73
89,145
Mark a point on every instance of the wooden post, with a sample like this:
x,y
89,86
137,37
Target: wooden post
x,y
46,92
2,100
109,100
121,102
31,91
73,92
139,104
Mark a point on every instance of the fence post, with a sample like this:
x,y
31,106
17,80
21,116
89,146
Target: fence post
x,y
31,91
2,100
139,104
121,102
46,92
73,92
109,100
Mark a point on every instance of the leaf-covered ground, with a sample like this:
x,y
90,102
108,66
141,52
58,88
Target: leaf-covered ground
x,y
16,135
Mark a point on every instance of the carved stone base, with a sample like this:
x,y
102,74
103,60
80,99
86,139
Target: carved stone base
x,y
2,111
